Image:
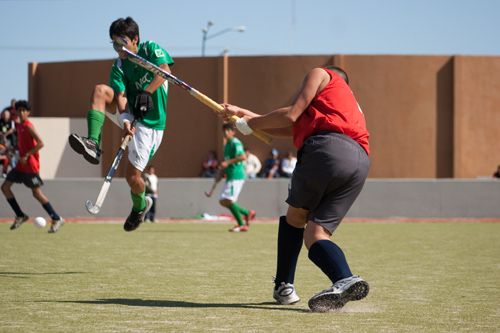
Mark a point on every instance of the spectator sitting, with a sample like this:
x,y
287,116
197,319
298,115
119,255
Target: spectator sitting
x,y
288,165
210,166
4,159
7,129
13,112
497,174
252,164
272,165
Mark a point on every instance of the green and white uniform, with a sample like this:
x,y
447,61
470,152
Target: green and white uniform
x,y
131,78
235,173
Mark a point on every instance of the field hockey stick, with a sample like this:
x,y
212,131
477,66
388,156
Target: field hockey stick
x,y
218,177
13,155
209,193
94,209
119,46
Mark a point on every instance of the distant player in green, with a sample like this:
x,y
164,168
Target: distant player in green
x,y
234,155
133,92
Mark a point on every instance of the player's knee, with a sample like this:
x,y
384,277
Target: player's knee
x,y
225,202
296,221
313,233
100,92
4,189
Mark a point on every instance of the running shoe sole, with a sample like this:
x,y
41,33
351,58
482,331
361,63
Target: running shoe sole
x,y
329,301
79,146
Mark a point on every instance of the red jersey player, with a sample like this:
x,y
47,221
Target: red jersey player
x,y
27,170
329,131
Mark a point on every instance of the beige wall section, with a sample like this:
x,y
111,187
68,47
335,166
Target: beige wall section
x,y
428,116
56,157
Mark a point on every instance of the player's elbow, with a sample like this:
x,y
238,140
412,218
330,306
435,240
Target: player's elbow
x,y
291,116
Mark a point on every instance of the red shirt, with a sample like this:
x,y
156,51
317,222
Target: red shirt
x,y
333,109
25,143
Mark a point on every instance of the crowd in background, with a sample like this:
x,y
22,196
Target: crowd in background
x,y
8,137
273,167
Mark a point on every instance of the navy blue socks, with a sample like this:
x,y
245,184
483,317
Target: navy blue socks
x,y
48,208
330,259
15,207
290,241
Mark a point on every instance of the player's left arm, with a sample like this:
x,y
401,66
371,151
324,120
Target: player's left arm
x,y
158,81
160,58
39,144
237,159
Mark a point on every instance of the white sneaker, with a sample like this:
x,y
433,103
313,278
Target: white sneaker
x,y
239,228
285,295
352,288
56,225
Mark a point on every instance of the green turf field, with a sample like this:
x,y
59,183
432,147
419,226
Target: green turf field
x,y
424,277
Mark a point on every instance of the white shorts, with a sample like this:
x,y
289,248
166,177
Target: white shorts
x,y
143,145
232,189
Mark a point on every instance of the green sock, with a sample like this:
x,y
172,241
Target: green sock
x,y
242,210
139,201
95,120
235,209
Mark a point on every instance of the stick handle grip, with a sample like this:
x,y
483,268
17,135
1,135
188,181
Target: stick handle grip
x,y
218,108
126,140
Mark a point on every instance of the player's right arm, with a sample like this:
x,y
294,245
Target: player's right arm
x,y
122,104
39,144
279,122
117,83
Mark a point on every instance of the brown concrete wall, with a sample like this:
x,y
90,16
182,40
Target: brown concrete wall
x,y
408,105
477,116
421,111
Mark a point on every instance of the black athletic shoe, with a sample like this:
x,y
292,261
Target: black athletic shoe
x,y
135,219
86,147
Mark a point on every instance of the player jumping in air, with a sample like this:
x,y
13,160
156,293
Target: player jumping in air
x,y
329,131
27,169
132,89
234,155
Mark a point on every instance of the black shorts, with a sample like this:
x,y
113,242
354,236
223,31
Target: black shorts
x,y
330,173
31,180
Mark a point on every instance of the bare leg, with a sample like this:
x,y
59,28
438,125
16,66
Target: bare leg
x,y
37,193
102,97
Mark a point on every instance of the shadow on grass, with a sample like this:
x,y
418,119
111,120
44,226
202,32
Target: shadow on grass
x,y
24,275
182,304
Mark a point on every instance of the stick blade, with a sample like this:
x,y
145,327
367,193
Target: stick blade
x,y
119,43
91,208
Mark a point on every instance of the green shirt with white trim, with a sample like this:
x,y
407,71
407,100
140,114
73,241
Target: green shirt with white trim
x,y
234,148
129,77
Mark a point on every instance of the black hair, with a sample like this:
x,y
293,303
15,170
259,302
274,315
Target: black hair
x,y
340,72
23,104
228,126
124,27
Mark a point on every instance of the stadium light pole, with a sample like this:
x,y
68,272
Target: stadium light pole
x,y
206,36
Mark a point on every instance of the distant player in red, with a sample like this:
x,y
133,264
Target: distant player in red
x,y
329,131
27,169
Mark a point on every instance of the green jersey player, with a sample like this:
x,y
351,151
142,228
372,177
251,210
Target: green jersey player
x,y
234,155
133,92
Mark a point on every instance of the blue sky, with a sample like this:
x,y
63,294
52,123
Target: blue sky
x,y
68,30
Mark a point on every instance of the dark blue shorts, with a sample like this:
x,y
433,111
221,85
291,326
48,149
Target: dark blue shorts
x,y
330,173
31,180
